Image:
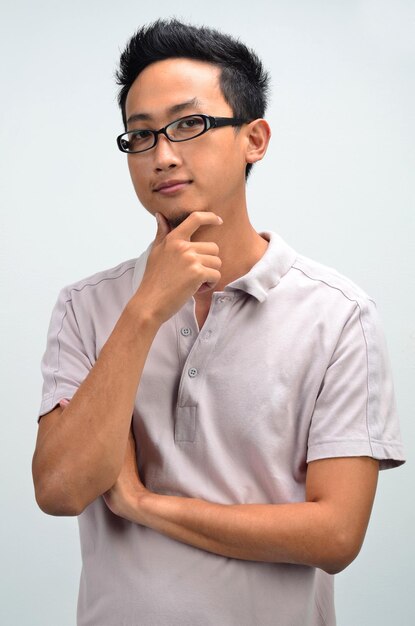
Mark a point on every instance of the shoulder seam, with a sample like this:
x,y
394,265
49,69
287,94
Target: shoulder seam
x,y
358,305
73,286
320,280
66,302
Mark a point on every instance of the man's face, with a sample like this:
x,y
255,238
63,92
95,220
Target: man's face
x,y
212,166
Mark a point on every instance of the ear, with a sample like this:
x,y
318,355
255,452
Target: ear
x,y
258,134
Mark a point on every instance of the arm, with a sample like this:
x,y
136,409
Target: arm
x,y
326,531
80,448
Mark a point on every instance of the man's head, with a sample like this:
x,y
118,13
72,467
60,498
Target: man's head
x,y
169,70
243,80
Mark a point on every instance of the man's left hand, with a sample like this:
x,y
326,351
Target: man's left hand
x,y
124,496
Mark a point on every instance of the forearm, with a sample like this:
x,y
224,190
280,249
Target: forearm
x,y
325,531
81,455
303,533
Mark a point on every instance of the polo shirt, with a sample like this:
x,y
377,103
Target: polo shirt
x,y
290,366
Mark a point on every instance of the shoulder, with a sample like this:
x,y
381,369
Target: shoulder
x,y
329,282
113,278
320,296
117,282
100,295
96,301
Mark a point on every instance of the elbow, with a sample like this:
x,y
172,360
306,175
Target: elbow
x,y
335,566
343,551
56,503
52,497
66,491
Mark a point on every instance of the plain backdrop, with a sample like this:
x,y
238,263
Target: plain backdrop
x,y
337,184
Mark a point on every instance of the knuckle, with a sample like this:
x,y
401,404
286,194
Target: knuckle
x,y
195,215
198,270
187,247
181,245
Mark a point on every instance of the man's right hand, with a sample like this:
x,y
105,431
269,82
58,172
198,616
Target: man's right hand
x,y
176,266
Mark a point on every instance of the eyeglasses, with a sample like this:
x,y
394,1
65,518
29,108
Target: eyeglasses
x,y
183,129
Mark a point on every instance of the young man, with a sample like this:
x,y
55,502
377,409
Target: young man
x,y
215,411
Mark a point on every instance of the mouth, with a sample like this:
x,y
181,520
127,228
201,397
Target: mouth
x,y
172,186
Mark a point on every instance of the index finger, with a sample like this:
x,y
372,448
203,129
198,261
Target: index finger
x,y
195,220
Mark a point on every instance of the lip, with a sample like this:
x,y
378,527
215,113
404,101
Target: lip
x,y
171,186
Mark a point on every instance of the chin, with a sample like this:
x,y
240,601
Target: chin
x,y
179,215
177,218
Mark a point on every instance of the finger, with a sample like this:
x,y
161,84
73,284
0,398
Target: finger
x,y
210,260
211,277
197,219
163,228
205,247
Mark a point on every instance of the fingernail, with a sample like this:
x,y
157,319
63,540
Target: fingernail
x,y
220,220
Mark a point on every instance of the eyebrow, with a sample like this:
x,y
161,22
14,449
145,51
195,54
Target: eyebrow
x,y
176,108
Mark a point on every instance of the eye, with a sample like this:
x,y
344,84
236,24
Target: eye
x,y
140,134
190,123
137,140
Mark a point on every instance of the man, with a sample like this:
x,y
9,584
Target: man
x,y
217,410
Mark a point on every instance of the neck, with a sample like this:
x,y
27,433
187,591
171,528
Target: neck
x,y
240,248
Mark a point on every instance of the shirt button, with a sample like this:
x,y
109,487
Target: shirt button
x,y
186,331
192,372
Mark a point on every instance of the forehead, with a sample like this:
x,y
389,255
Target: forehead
x,y
166,83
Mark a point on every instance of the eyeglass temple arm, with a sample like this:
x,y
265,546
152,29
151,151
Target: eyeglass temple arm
x,y
227,121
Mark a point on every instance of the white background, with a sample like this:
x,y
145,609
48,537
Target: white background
x,y
337,184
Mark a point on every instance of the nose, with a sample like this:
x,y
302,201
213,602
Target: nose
x,y
166,154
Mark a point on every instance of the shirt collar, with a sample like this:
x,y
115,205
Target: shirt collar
x,y
263,276
268,271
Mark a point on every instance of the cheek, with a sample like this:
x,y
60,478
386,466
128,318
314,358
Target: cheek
x,y
138,177
225,172
133,168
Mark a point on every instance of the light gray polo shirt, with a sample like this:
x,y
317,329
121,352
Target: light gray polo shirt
x,y
290,366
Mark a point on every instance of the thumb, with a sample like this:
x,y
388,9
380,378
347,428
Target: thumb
x,y
163,228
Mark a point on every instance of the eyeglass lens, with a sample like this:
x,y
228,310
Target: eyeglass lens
x,y
180,130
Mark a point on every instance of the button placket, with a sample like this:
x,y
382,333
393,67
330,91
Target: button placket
x,y
186,332
194,369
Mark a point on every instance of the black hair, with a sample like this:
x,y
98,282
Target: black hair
x,y
244,81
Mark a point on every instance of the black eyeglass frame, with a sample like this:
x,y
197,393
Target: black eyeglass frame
x,y
209,121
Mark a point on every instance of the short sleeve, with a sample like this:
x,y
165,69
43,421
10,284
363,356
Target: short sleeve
x,y
355,412
65,363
